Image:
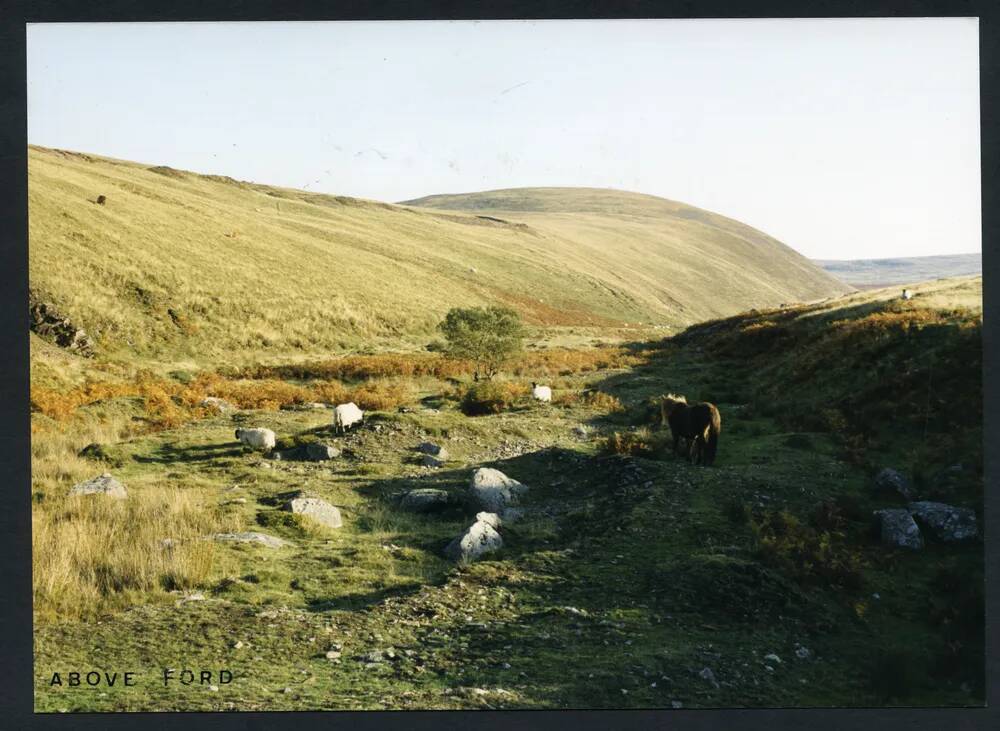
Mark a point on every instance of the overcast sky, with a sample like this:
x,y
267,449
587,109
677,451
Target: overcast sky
x,y
842,138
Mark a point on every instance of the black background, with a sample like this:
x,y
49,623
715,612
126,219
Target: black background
x,y
15,524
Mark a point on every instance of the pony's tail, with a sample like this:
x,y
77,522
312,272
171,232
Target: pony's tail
x,y
712,443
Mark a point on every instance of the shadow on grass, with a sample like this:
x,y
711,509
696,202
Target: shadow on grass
x,y
363,600
172,454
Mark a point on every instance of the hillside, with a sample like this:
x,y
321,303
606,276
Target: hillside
x,y
906,270
181,267
633,579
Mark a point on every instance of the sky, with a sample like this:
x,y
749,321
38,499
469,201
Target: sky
x,y
842,138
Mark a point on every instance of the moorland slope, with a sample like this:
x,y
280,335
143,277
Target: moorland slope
x,y
181,267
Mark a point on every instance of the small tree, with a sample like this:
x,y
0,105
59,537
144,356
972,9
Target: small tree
x,y
488,336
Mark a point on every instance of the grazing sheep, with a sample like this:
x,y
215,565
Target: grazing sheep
x,y
345,415
101,200
907,294
256,438
541,393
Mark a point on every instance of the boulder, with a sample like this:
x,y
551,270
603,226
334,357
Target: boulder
x,y
896,528
479,538
321,452
946,522
424,500
251,537
312,507
429,461
494,491
890,480
47,322
103,484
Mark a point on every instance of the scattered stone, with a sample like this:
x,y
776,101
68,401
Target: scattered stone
x,y
429,461
890,480
435,450
946,522
312,507
220,405
238,645
480,538
580,430
676,705
195,596
321,452
103,484
252,537
371,657
897,528
48,323
424,500
803,653
494,490
332,655
167,543
214,688
771,657
707,674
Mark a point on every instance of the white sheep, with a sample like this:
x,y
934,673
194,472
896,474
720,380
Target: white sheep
x,y
256,438
541,393
345,415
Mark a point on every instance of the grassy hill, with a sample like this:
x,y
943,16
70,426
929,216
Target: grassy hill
x,y
630,574
180,267
905,270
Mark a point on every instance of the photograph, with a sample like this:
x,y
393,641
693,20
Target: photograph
x,y
453,365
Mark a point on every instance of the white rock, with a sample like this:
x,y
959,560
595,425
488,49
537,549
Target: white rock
x,y
897,528
480,538
103,484
946,522
771,657
319,510
252,537
494,490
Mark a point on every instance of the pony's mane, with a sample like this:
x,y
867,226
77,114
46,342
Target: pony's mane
x,y
675,398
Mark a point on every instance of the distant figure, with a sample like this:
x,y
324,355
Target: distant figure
x,y
907,294
699,423
101,200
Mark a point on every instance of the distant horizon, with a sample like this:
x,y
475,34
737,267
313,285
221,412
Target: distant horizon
x,y
842,138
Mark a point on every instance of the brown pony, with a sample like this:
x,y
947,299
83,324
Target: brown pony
x,y
699,423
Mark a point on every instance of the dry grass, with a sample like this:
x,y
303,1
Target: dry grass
x,y
642,442
91,554
168,280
